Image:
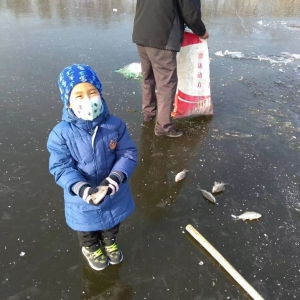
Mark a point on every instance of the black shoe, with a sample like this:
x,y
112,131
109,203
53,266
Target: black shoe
x,y
114,254
172,133
97,259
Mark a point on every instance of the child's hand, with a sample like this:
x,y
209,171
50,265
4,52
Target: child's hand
x,y
108,186
86,193
98,196
112,182
95,196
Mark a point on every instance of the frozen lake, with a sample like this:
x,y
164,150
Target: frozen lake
x,y
252,143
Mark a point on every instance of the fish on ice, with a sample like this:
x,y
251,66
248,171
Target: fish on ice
x,y
219,187
208,196
181,175
247,215
99,196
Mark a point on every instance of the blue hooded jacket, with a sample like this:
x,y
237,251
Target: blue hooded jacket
x,y
80,151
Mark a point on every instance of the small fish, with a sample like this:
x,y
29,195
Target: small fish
x,y
99,196
181,175
247,215
208,196
219,187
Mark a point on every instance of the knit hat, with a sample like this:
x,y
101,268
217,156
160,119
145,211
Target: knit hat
x,y
74,74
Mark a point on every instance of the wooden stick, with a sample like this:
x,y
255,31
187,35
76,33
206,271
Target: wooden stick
x,y
224,263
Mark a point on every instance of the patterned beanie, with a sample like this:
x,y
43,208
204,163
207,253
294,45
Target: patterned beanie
x,y
74,74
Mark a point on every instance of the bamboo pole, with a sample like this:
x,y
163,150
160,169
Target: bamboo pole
x,y
224,263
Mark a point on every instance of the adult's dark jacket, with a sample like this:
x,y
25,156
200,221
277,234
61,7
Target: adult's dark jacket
x,y
160,23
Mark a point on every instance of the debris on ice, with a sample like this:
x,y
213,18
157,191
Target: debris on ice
x,y
219,53
132,70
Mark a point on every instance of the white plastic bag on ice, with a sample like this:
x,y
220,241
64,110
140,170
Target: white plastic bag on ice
x,y
132,70
193,91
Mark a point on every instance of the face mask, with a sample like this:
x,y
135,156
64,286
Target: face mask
x,y
88,108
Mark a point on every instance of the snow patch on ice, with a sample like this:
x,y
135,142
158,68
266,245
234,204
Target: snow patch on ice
x,y
293,26
276,24
219,53
294,56
234,54
284,58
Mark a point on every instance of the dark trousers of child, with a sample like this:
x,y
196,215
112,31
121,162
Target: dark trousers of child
x,y
91,238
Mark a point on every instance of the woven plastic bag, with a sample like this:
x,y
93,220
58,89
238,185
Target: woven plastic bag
x,y
193,91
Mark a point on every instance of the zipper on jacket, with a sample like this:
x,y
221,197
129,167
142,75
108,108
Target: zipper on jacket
x,y
94,136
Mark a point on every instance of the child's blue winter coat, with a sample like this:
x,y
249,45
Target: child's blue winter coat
x,y
80,151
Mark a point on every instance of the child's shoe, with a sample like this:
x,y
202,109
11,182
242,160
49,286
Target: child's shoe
x,y
114,254
97,259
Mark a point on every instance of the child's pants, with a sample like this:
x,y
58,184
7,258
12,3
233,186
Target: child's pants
x,y
91,238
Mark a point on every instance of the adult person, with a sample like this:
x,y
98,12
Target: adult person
x,y
158,32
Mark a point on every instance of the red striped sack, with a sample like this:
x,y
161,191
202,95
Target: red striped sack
x,y
193,91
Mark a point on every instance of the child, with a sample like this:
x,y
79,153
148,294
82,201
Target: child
x,y
91,152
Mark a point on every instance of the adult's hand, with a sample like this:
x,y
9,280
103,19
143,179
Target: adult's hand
x,y
205,36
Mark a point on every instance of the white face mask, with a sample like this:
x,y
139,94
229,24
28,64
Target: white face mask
x,y
88,108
